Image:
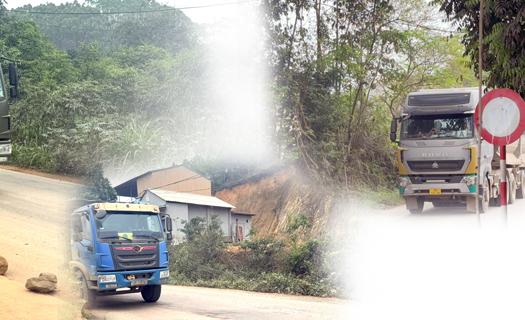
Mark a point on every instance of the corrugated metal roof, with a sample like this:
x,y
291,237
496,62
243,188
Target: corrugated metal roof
x,y
182,197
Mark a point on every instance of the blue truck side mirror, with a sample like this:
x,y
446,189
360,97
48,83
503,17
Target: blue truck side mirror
x,y
169,226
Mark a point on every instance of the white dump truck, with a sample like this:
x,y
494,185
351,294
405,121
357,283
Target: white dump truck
x,y
437,154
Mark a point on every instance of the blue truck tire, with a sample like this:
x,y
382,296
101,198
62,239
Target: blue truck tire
x,y
87,294
151,293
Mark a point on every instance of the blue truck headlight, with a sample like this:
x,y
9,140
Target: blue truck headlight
x,y
107,278
469,180
404,182
5,148
165,274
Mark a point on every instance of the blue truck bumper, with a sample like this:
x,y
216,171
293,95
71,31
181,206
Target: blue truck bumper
x,y
123,276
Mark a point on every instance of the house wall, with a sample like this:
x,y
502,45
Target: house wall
x,y
197,211
164,180
178,212
225,217
242,220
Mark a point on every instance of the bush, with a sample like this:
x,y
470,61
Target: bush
x,y
100,188
33,156
264,264
198,258
264,254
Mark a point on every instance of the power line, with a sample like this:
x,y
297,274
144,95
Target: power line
x,y
128,12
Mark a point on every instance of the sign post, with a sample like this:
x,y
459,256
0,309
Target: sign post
x,y
503,113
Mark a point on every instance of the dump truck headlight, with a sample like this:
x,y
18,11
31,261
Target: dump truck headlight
x,y
469,180
5,148
165,274
404,182
107,278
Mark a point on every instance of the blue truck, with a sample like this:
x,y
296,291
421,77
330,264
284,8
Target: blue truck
x,y
119,248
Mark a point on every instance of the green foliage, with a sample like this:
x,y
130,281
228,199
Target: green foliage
x,y
193,228
264,254
299,221
100,188
34,156
198,258
503,51
264,265
306,259
170,29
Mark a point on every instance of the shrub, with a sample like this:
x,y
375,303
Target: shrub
x,y
264,254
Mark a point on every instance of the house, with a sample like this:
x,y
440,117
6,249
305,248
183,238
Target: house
x,y
182,206
177,178
183,195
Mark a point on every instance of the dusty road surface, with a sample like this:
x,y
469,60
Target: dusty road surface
x,y
439,264
191,303
34,238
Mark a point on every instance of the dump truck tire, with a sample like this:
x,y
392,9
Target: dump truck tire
x,y
511,188
485,199
151,293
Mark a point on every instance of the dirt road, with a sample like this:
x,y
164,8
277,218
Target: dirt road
x,y
34,238
191,303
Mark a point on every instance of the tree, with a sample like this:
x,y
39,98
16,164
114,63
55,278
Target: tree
x,y
338,66
503,56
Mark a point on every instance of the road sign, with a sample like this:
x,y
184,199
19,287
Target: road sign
x,y
503,117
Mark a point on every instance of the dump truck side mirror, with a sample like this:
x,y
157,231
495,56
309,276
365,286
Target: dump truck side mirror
x,y
393,130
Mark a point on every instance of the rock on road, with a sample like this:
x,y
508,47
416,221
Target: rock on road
x,y
34,238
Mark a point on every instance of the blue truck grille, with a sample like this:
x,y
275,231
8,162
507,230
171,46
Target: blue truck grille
x,y
125,258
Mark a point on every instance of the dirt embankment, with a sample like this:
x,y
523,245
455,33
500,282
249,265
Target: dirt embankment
x,y
278,199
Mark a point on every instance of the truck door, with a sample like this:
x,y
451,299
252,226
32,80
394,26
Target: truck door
x,y
85,248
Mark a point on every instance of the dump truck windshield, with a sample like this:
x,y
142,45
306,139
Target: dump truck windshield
x,y
438,127
129,226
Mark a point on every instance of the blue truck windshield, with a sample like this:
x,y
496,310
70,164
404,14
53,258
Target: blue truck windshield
x,y
129,226
438,127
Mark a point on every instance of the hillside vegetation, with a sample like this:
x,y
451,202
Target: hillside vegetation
x,y
139,86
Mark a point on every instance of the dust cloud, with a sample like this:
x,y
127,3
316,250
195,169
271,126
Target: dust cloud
x,y
423,272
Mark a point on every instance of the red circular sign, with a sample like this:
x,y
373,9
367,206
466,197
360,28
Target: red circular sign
x,y
503,113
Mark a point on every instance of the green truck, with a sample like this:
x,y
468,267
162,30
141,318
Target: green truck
x,y
5,120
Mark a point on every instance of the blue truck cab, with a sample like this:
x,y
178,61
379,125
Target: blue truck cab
x,y
119,248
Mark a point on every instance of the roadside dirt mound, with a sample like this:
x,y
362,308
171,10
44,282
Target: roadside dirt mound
x,y
20,303
279,199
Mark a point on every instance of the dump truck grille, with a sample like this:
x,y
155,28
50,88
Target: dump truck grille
x,y
436,165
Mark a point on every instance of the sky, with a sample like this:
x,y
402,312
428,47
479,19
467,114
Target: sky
x,y
208,11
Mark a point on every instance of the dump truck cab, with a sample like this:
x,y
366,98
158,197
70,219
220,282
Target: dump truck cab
x,y
438,149
5,120
119,248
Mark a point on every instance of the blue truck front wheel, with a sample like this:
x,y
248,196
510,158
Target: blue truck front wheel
x,y
88,295
151,293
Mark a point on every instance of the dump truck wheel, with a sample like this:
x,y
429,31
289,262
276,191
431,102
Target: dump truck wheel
x,y
88,295
484,201
151,293
511,188
420,205
520,193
